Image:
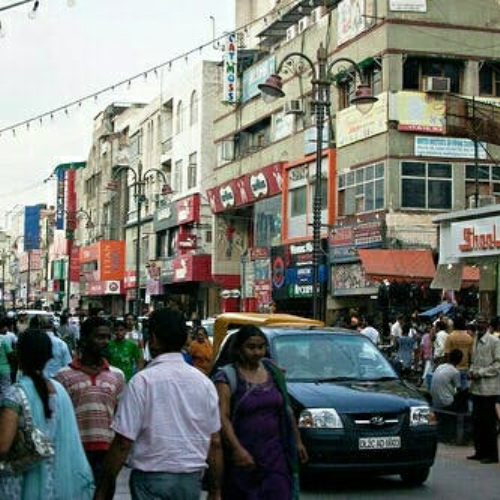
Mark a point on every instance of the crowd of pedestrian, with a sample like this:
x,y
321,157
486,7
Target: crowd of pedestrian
x,y
109,394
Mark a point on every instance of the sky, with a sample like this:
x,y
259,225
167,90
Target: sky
x,y
67,53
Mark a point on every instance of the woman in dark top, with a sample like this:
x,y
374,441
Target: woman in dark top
x,y
261,440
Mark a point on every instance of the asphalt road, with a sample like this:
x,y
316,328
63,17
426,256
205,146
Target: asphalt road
x,y
453,477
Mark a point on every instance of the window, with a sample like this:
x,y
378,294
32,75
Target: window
x,y
179,116
172,239
193,108
136,145
225,151
361,190
192,170
298,201
267,222
489,79
416,69
488,178
161,244
178,176
426,185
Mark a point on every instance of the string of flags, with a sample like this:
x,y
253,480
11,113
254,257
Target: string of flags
x,y
127,82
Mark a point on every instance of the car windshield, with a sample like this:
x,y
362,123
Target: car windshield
x,y
330,357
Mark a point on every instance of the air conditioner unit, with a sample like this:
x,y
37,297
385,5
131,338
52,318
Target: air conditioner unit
x,y
483,200
437,84
293,107
304,23
291,32
317,14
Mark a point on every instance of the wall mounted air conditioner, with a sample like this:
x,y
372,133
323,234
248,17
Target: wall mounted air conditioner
x,y
483,200
304,23
317,14
291,32
437,84
293,107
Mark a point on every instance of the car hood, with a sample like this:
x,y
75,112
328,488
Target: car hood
x,y
356,396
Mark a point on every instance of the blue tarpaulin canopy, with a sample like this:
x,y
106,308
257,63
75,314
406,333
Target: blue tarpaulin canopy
x,y
443,308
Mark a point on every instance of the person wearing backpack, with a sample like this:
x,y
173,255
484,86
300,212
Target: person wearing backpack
x,y
262,445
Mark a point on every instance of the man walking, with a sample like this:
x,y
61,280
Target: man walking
x,y
460,338
123,353
485,389
167,422
95,388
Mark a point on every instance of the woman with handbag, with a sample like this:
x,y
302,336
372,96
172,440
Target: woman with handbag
x,y
41,455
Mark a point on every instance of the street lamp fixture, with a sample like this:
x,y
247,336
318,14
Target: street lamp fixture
x,y
139,183
321,81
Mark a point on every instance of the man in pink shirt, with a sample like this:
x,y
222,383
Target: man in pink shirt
x,y
95,388
167,422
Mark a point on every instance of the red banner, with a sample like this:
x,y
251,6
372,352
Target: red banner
x,y
246,189
192,268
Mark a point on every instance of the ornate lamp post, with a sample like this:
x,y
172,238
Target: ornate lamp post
x,y
321,81
138,185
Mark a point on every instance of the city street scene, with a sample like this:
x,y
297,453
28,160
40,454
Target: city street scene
x,y
249,250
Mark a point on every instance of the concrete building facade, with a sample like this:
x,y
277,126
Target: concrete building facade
x,y
418,152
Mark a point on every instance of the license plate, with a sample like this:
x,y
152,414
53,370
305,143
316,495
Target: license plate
x,y
379,443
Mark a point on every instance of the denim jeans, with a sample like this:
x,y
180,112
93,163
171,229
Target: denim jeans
x,y
165,485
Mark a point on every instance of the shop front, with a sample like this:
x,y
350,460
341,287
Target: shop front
x,y
469,250
102,275
248,222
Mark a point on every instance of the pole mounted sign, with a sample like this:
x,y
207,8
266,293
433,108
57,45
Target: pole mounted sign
x,y
230,69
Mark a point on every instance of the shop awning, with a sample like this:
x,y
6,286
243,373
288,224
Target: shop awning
x,y
397,265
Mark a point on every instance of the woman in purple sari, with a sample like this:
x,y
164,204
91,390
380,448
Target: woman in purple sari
x,y
261,440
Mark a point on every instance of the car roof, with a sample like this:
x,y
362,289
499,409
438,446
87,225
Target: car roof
x,y
226,321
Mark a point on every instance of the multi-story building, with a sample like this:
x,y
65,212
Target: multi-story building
x,y
99,238
143,186
386,173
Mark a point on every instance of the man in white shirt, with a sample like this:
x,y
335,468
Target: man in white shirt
x,y
439,342
369,331
167,422
397,328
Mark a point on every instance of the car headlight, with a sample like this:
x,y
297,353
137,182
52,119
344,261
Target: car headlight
x,y
320,418
421,415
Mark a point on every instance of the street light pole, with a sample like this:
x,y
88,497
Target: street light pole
x,y
321,82
3,281
139,182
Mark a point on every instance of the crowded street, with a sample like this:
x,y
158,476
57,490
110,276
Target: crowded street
x,y
249,250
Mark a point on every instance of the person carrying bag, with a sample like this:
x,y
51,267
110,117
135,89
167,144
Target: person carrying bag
x,y
39,410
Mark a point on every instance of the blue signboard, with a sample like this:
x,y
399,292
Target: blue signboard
x,y
31,228
256,75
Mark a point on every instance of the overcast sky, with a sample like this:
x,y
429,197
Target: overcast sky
x,y
66,53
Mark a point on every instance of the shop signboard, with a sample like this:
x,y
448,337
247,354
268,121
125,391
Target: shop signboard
x,y
475,238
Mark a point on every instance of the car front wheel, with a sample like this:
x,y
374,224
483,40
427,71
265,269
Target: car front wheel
x,y
415,477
